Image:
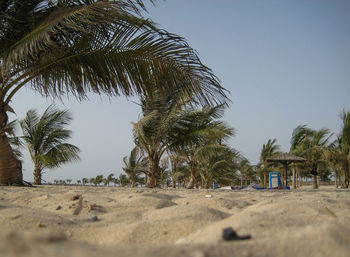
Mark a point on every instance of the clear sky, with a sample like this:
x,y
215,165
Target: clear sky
x,y
286,63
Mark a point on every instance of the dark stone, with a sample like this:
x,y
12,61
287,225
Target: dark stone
x,y
229,234
94,218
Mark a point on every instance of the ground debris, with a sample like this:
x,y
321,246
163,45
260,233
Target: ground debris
x,y
79,207
329,212
75,197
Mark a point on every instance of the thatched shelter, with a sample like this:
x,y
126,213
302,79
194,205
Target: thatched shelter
x,y
286,159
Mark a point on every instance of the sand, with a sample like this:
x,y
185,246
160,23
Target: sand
x,y
110,221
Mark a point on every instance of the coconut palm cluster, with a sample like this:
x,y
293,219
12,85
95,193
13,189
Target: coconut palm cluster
x,y
326,159
77,47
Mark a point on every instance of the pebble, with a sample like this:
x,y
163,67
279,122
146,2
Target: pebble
x,y
94,218
59,207
208,196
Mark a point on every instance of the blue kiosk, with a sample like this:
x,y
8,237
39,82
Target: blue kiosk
x,y
274,180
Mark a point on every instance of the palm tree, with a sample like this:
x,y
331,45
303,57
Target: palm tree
x,y
85,181
218,165
312,145
123,180
268,150
338,154
345,146
110,178
76,47
153,131
247,172
93,181
46,139
99,179
134,165
177,166
204,135
169,122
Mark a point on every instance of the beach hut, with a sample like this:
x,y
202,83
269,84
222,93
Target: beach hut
x,y
286,159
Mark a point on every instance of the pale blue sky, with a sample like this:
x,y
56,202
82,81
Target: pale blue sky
x,y
286,63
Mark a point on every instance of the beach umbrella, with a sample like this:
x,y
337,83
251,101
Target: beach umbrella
x,y
286,159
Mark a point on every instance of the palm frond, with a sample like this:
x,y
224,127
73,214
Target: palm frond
x,y
104,48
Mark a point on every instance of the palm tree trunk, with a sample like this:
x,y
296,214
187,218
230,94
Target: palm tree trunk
x,y
294,179
10,167
192,181
153,172
265,178
132,180
37,176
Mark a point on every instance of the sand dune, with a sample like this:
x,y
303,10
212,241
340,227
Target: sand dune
x,y
101,221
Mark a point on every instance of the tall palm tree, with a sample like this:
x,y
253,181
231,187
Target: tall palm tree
x,y
85,181
246,171
80,46
168,123
99,179
177,166
206,135
269,149
92,181
337,160
345,146
135,164
46,138
218,165
123,180
110,178
338,153
312,145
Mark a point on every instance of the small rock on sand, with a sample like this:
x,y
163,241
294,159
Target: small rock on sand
x,y
94,218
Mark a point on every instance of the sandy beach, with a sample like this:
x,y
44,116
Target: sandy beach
x,y
111,221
